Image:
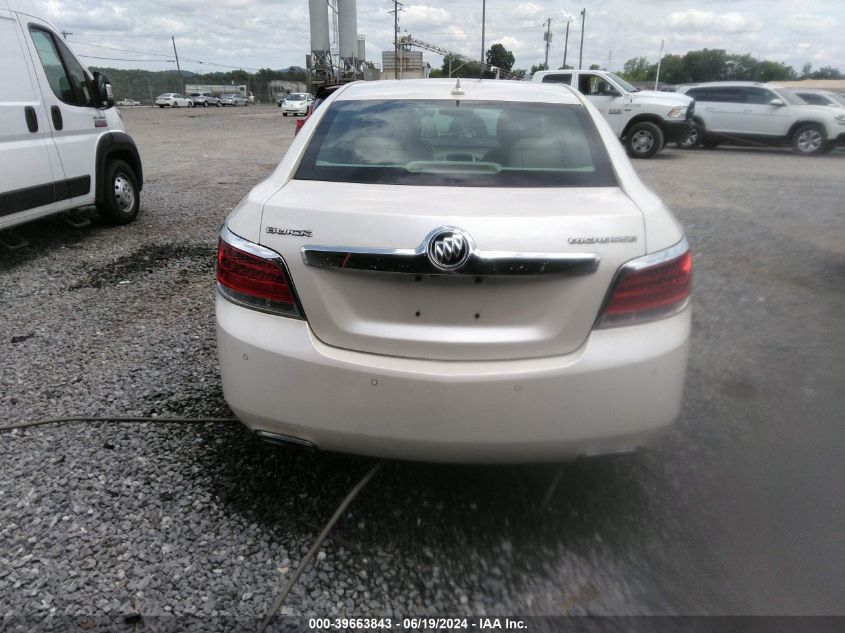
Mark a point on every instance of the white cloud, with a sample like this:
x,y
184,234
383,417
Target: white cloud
x,y
806,23
697,20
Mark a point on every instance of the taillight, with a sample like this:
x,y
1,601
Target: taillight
x,y
651,287
254,276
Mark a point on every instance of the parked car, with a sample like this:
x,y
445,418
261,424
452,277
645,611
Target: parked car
x,y
62,142
396,291
323,93
232,100
820,97
296,103
128,103
204,99
173,100
644,120
743,112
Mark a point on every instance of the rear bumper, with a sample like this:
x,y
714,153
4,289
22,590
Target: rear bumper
x,y
676,130
618,391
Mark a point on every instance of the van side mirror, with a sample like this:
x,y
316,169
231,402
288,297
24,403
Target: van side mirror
x,y
776,102
103,91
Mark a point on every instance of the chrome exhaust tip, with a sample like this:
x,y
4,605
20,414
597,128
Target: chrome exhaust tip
x,y
279,438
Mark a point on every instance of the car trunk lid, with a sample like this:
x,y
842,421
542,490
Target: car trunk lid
x,y
515,313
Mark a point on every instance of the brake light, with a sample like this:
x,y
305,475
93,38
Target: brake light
x,y
254,276
649,288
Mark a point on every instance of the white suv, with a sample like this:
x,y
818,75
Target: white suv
x,y
747,112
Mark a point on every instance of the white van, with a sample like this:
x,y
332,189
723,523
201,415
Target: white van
x,y
62,142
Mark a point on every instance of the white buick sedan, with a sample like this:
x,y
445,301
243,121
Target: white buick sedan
x,y
466,272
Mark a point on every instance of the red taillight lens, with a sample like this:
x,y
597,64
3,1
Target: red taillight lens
x,y
650,292
254,281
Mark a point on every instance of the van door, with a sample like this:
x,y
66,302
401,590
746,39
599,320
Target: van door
x,y
75,122
29,163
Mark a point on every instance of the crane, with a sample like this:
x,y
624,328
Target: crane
x,y
410,40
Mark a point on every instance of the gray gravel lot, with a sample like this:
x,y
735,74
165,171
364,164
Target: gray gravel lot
x,y
739,510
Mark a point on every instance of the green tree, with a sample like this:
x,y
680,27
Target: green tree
x,y
638,69
826,72
595,67
708,64
519,72
774,71
673,70
500,57
538,67
459,68
740,68
436,73
806,70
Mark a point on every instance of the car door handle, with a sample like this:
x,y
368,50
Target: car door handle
x,y
31,118
58,124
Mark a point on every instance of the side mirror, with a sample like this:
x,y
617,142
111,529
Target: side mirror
x,y
103,91
776,102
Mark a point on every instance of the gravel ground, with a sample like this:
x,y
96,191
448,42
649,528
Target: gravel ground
x,y
199,525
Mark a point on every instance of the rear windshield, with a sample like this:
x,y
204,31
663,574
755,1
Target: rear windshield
x,y
473,144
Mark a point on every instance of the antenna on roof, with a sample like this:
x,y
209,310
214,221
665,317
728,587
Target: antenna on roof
x,y
457,92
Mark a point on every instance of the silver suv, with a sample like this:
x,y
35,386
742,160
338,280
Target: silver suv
x,y
754,113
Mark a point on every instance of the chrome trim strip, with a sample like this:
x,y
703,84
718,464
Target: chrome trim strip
x,y
480,263
658,257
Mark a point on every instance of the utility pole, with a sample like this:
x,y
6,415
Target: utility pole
x,y
483,32
397,7
548,37
581,52
566,43
178,68
659,61
66,33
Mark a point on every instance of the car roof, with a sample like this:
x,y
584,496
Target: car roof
x,y
817,91
473,89
725,84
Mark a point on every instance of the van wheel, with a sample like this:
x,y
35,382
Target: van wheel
x,y
121,198
809,139
644,140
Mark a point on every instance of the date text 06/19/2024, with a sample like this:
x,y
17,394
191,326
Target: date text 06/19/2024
x,y
418,624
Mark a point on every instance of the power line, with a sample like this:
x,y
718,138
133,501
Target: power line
x,y
114,48
129,50
123,59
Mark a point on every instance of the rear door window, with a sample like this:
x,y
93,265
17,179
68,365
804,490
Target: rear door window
x,y
558,78
759,96
476,143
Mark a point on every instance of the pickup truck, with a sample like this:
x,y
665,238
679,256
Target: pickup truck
x,y
644,120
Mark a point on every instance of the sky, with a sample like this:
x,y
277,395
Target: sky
x,y
254,34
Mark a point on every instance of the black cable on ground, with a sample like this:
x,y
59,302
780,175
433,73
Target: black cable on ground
x,y
277,603
110,418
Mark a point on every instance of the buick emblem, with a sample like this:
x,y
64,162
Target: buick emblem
x,y
448,249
